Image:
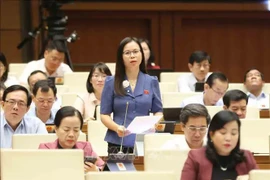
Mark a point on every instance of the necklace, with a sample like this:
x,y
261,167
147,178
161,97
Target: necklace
x,y
133,83
223,168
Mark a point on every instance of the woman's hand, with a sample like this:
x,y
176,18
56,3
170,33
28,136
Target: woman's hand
x,y
121,131
90,167
243,177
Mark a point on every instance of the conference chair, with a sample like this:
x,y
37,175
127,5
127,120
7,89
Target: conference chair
x,y
68,99
255,135
157,140
42,164
174,99
32,141
130,175
257,174
96,131
171,76
239,86
62,89
16,69
158,160
111,66
76,81
167,87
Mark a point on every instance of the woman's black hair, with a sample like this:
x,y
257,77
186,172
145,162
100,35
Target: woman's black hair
x,y
120,67
152,56
103,68
217,123
4,62
67,111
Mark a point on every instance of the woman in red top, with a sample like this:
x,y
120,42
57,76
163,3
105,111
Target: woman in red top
x,y
222,157
68,124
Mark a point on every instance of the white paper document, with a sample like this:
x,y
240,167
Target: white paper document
x,y
143,124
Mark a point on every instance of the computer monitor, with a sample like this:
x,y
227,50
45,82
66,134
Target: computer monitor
x,y
199,87
172,114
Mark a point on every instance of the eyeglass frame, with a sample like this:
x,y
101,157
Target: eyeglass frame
x,y
134,52
205,66
12,103
218,93
193,129
45,100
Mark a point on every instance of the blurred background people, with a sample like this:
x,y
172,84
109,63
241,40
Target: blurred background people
x,y
52,63
16,102
68,123
236,101
131,90
2,89
88,103
254,82
215,87
7,79
44,96
34,77
222,157
148,54
199,66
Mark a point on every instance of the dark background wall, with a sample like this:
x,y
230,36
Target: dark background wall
x,y
236,35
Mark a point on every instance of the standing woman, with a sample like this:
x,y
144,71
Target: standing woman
x,y
7,80
95,82
222,157
148,54
131,90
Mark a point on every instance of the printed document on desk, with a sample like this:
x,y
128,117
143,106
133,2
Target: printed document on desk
x,y
143,124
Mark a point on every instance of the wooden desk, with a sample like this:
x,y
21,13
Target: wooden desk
x,y
262,161
264,114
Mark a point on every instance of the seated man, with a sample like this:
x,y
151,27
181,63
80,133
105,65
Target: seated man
x,y
52,64
34,77
194,120
254,82
15,104
44,96
199,65
214,88
236,101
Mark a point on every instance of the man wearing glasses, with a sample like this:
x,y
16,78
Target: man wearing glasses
x,y
254,82
214,88
199,65
194,120
15,104
44,96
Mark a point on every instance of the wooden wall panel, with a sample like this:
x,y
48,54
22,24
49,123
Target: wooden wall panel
x,y
101,33
235,44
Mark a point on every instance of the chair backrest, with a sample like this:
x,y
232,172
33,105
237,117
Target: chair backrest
x,y
171,76
42,164
212,110
173,158
157,140
32,141
68,99
130,175
62,89
17,68
239,86
174,99
111,67
96,131
257,174
168,87
255,135
76,81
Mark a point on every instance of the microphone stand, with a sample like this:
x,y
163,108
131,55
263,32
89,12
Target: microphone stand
x,y
121,147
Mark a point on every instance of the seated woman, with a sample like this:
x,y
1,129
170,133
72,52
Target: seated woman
x,y
4,77
68,123
222,157
94,85
148,54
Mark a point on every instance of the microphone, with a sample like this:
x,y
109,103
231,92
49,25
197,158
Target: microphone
x,y
121,146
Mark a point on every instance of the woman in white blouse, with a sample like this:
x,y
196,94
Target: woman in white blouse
x,y
87,103
4,78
